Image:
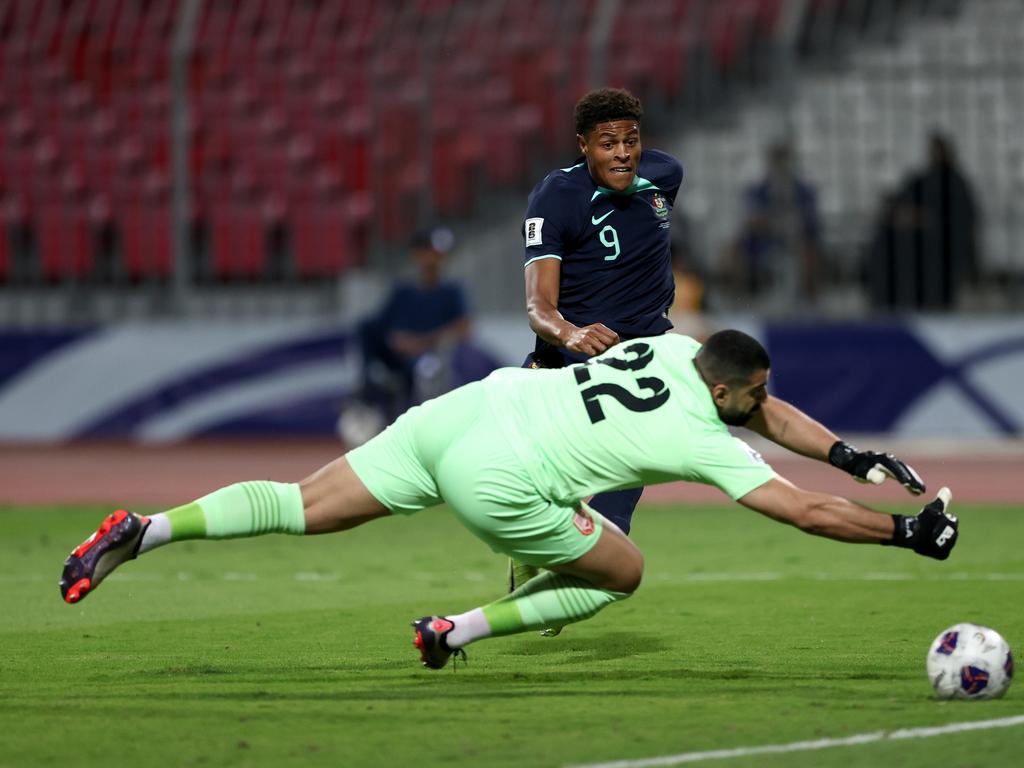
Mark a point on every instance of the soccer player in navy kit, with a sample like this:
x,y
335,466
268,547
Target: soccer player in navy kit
x,y
598,252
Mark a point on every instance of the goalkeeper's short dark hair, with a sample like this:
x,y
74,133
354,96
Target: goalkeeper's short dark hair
x,y
731,358
606,104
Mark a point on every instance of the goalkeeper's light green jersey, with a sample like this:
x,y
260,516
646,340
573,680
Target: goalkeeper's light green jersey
x,y
638,414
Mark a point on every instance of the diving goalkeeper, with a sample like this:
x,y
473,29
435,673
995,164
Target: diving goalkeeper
x,y
514,455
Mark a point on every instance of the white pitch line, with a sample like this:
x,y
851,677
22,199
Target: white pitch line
x,y
805,746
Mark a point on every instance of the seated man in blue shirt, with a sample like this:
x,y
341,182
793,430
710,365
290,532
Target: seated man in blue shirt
x,y
409,344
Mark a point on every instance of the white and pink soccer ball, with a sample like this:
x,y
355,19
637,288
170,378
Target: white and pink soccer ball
x,y
969,661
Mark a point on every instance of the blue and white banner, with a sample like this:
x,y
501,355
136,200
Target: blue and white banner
x,y
173,381
917,378
161,382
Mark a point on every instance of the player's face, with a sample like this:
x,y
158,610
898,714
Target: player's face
x,y
612,151
737,404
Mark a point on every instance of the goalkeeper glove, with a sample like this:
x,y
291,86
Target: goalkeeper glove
x,y
932,532
871,467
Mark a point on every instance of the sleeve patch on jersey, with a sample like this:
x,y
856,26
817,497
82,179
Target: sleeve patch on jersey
x,y
533,231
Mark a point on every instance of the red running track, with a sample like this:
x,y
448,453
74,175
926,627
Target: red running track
x,y
120,474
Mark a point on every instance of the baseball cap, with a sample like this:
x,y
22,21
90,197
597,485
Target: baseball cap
x,y
440,239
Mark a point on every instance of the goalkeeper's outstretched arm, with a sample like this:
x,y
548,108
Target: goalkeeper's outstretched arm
x,y
788,426
932,532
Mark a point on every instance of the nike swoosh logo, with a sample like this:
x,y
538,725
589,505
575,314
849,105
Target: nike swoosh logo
x,y
595,221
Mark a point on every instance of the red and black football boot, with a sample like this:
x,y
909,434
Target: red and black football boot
x,y
115,541
430,640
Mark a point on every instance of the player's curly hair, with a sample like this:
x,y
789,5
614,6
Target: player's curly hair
x,y
731,357
603,105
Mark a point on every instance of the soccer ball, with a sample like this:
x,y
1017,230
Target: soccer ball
x,y
969,661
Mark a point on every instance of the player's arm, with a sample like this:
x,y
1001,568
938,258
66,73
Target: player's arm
x,y
788,426
542,289
932,532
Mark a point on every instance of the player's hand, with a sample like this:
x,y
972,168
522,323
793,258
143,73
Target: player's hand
x,y
591,339
871,467
932,532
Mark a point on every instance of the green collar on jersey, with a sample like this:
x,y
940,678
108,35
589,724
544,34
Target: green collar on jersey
x,y
639,185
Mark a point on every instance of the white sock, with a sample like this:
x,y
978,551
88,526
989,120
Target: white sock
x,y
157,534
469,626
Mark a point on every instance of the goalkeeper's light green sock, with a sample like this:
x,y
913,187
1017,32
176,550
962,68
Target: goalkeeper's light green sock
x,y
547,600
243,509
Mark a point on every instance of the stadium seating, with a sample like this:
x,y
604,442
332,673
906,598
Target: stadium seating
x,y
857,132
6,225
146,240
347,123
66,242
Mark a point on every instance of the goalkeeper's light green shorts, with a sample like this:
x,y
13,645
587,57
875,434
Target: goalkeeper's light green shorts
x,y
450,450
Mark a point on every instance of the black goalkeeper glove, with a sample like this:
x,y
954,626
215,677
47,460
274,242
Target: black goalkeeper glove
x,y
932,532
871,467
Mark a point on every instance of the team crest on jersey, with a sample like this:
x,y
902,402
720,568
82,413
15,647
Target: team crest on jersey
x,y
755,456
583,521
659,204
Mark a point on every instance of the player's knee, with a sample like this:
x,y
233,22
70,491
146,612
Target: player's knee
x,y
629,573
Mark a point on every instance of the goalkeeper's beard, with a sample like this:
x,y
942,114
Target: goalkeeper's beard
x,y
736,417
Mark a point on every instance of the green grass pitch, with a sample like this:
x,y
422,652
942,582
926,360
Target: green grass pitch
x,y
287,651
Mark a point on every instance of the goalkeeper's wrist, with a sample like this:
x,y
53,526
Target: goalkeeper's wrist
x,y
841,454
903,529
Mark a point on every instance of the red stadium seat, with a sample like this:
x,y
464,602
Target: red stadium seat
x,y
768,15
146,241
5,248
238,241
323,242
66,241
344,144
400,189
457,159
728,28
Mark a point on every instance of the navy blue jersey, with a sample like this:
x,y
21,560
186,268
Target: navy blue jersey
x,y
614,247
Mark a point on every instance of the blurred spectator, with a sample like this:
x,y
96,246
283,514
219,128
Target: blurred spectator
x,y
925,243
778,251
421,319
690,301
416,346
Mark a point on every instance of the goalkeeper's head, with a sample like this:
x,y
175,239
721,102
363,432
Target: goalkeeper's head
x,y
735,368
